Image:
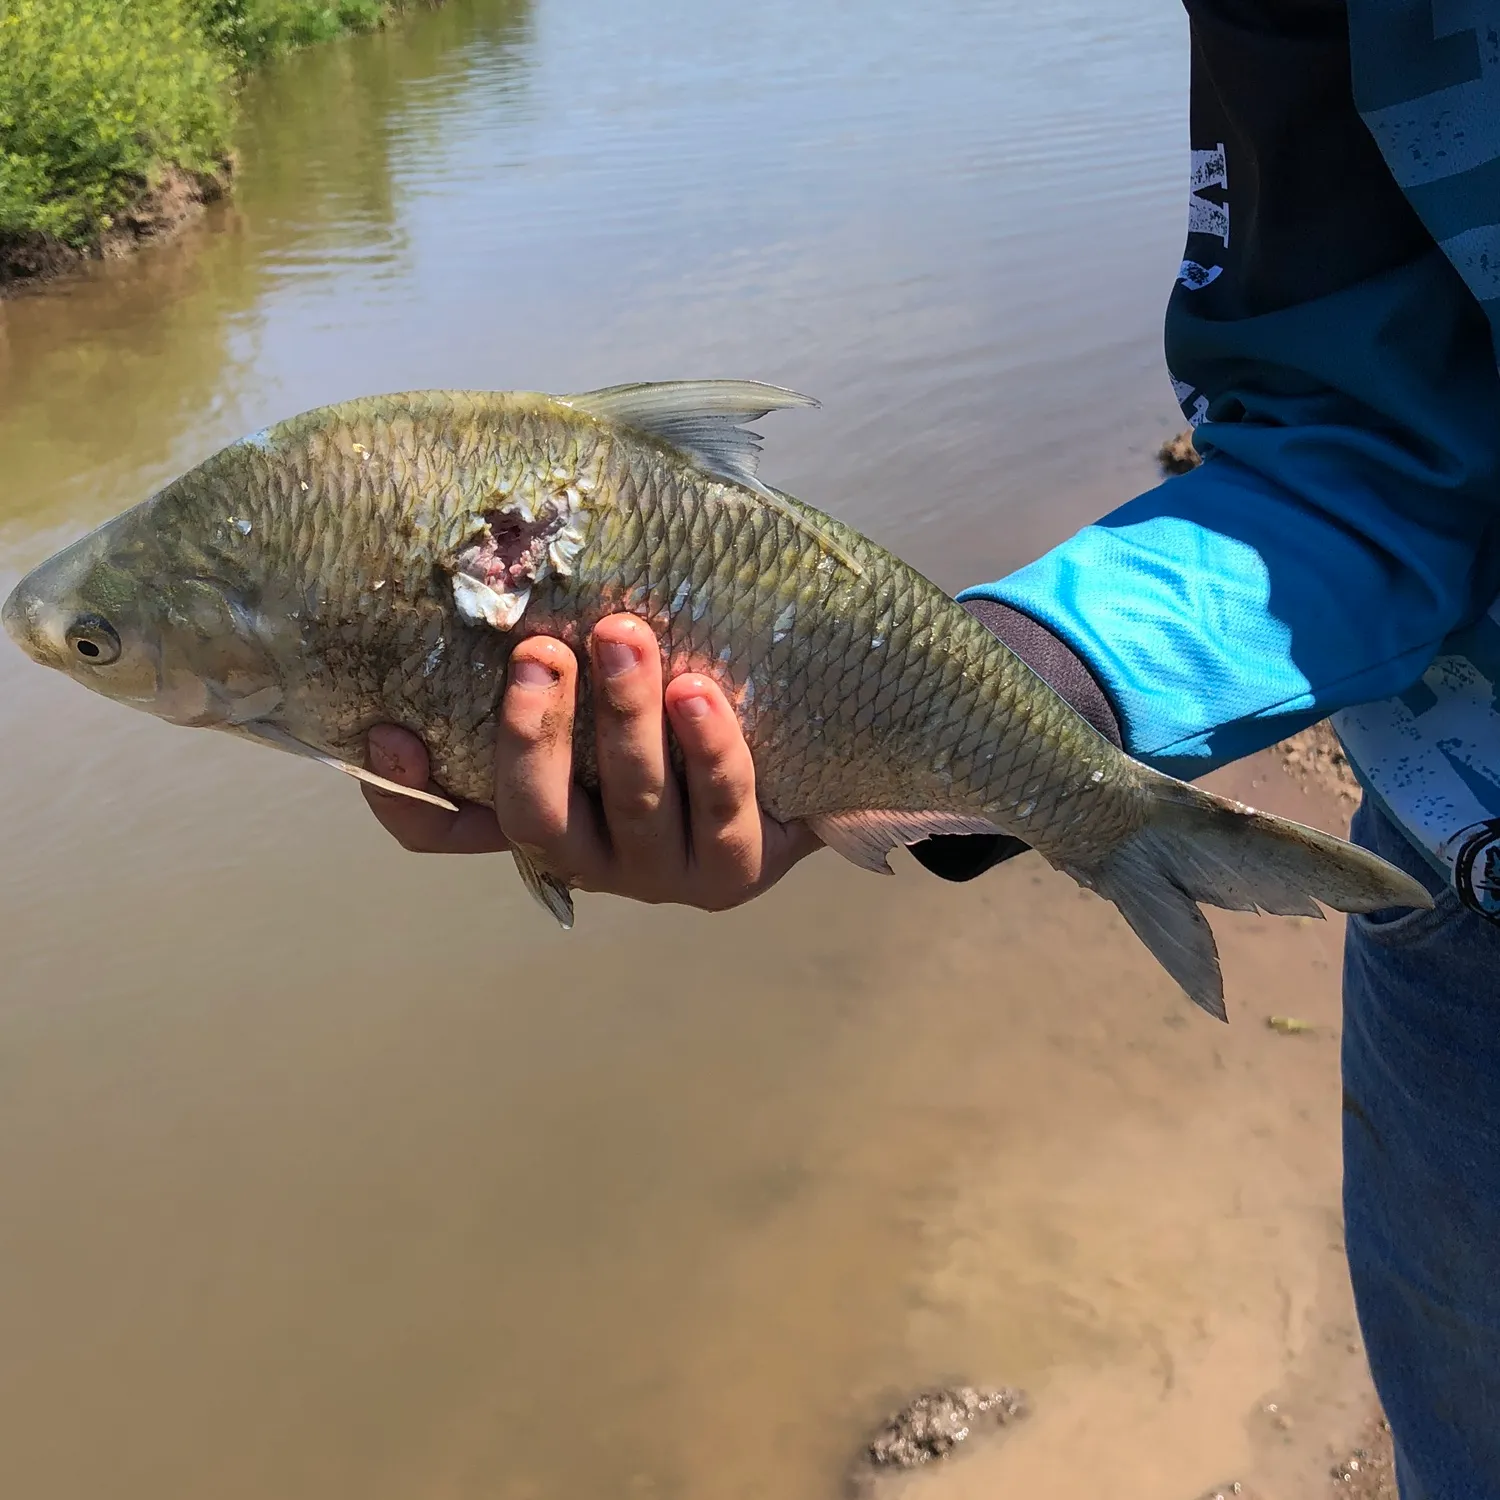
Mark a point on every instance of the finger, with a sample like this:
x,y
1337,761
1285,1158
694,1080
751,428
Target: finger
x,y
535,799
724,819
642,811
400,756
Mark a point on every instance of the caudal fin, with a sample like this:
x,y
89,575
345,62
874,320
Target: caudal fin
x,y
1199,847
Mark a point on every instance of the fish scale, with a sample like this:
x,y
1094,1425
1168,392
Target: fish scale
x,y
838,666
377,561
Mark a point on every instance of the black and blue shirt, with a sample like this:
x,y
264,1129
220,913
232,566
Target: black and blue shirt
x,y
1333,335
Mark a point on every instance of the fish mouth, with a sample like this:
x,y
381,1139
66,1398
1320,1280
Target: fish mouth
x,y
15,615
33,623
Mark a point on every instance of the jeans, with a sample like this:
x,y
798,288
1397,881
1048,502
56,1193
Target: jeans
x,y
1421,1060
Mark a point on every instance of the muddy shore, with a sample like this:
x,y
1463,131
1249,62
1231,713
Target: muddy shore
x,y
1317,1432
157,198
161,211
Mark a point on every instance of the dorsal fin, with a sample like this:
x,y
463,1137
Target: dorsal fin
x,y
704,420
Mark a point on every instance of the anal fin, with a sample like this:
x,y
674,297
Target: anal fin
x,y
865,838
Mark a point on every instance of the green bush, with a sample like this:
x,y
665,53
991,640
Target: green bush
x,y
250,31
98,97
95,97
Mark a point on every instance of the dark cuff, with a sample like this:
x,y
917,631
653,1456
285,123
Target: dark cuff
x,y
1052,659
960,856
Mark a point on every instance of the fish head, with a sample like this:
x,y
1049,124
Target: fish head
x,y
119,613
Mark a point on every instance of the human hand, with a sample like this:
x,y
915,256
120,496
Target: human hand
x,y
704,843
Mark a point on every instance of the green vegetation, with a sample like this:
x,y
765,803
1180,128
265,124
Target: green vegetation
x,y
96,98
101,99
250,31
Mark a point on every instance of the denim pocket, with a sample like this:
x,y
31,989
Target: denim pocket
x,y
1400,927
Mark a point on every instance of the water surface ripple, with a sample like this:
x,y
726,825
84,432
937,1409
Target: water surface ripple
x,y
332,1172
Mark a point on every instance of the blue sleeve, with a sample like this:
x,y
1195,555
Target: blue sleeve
x,y
1343,379
1339,528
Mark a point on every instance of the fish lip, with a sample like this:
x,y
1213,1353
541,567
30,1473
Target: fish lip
x,y
15,615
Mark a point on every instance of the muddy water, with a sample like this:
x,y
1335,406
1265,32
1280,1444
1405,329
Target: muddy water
x,y
326,1171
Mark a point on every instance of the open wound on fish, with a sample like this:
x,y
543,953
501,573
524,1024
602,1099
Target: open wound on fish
x,y
495,573
282,739
866,838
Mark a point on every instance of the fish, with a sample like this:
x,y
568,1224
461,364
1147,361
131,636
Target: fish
x,y
376,562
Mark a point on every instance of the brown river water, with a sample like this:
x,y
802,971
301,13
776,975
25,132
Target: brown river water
x,y
328,1171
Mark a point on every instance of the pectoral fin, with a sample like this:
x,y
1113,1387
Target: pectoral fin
x,y
371,779
548,889
274,734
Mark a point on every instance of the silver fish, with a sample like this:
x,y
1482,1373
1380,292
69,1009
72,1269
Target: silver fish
x,y
376,562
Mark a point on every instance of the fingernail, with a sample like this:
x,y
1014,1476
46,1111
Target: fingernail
x,y
693,708
527,672
616,658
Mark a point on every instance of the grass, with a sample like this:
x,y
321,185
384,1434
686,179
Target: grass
x,y
100,99
250,31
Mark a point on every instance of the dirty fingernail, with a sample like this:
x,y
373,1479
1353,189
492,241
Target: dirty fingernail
x,y
693,708
530,673
616,658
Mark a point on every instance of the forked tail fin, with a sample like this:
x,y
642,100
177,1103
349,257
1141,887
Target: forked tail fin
x,y
1199,847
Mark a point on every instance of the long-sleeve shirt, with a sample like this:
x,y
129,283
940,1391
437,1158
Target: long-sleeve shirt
x,y
1333,336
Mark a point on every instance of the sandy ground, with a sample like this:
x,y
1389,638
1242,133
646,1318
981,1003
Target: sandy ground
x,y
1318,1431
1315,759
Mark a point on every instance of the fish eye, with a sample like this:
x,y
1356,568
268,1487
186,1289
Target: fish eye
x,y
93,638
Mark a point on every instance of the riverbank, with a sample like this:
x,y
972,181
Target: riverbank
x,y
116,115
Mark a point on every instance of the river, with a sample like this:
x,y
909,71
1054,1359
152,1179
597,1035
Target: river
x,y
330,1171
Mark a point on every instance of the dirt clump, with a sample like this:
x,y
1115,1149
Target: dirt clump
x,y
1177,455
1369,1473
934,1422
1314,758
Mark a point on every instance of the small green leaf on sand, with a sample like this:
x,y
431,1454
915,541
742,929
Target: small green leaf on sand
x,y
1288,1025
